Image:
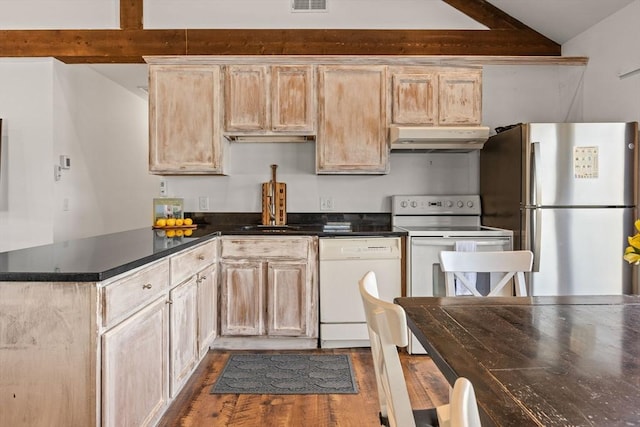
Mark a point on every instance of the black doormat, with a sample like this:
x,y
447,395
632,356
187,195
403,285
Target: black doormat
x,y
287,374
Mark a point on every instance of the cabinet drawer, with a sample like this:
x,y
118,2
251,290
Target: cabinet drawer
x,y
266,247
187,263
125,295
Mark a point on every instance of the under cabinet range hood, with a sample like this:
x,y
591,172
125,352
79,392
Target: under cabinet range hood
x,y
454,138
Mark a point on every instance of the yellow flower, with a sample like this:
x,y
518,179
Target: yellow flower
x,y
634,241
632,252
631,257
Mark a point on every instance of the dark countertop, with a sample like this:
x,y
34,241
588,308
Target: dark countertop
x,y
98,258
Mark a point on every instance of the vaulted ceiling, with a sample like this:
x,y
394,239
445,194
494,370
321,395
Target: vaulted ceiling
x,y
506,37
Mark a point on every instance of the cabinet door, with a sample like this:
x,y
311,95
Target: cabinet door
x,y
183,331
287,298
134,368
184,120
245,99
242,298
292,100
415,99
352,128
207,310
460,97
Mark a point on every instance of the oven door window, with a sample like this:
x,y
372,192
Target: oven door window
x,y
427,278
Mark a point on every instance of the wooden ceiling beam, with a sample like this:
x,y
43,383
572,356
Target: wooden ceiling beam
x,y
130,45
506,37
367,42
131,14
487,14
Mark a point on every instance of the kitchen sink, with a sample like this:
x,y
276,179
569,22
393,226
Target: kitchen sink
x,y
271,228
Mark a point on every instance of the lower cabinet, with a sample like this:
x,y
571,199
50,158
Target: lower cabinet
x,y
268,292
134,368
193,310
287,299
150,350
207,281
265,298
242,298
183,331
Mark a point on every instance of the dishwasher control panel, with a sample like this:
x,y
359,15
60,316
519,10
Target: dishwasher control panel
x,y
360,248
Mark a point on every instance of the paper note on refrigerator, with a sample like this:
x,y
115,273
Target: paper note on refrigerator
x,y
585,162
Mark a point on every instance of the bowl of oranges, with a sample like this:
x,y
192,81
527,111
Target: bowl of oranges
x,y
175,227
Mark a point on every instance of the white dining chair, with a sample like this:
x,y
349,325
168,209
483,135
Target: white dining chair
x,y
387,324
511,264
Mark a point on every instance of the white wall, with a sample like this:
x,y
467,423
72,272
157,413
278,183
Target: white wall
x,y
613,48
48,109
26,177
250,166
407,14
59,14
103,128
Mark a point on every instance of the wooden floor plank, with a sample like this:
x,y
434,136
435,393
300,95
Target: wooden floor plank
x,y
196,406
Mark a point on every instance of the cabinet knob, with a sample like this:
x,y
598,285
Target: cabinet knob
x,y
147,286
169,301
201,257
203,278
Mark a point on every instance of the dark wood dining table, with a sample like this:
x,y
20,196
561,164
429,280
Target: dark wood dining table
x,y
545,361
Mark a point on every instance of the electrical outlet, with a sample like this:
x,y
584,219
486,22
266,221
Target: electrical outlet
x,y
326,203
203,203
163,188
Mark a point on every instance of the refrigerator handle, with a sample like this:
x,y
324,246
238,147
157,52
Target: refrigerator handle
x,y
536,232
534,179
535,214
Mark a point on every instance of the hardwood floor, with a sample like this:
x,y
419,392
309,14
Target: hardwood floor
x,y
196,407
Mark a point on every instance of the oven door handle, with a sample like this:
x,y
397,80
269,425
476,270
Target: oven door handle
x,y
449,242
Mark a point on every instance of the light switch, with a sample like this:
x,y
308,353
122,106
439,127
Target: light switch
x,y
65,162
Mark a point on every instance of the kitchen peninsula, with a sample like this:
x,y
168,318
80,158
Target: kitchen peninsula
x,y
109,328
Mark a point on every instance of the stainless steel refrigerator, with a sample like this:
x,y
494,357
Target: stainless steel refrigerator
x,y
569,192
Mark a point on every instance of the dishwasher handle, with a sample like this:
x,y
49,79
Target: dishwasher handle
x,y
449,242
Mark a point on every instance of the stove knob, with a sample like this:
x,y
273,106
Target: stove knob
x,y
470,203
460,204
414,204
403,204
449,203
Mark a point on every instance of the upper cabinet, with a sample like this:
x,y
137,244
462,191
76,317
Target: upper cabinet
x,y
460,97
185,120
269,99
198,103
414,97
352,120
435,96
245,95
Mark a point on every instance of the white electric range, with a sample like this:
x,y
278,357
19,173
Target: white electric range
x,y
437,223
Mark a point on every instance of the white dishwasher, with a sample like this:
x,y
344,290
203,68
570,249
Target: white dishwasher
x,y
343,262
